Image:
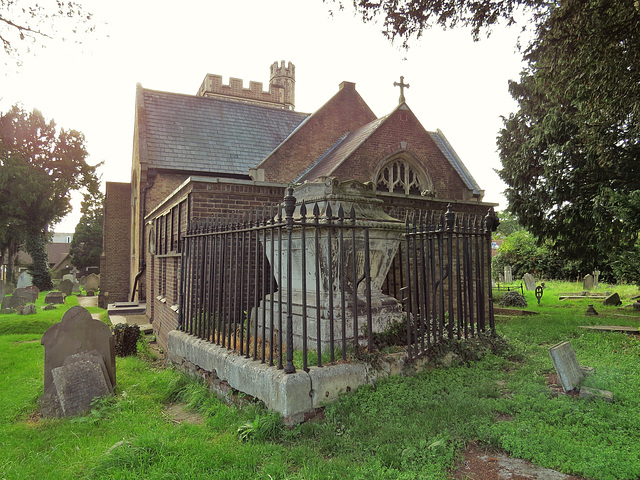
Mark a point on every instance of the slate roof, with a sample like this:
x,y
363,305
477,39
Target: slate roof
x,y
211,135
455,161
340,151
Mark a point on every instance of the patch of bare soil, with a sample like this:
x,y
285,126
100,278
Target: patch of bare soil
x,y
480,463
177,413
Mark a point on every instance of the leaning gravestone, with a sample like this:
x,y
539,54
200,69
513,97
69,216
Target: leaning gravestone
x,y
613,299
66,286
587,282
93,282
529,281
77,333
566,364
24,279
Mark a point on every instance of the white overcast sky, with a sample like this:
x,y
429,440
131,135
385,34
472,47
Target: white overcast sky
x,y
456,85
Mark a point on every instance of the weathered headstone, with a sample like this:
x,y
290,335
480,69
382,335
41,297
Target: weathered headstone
x,y
587,282
93,282
566,364
13,302
83,280
54,297
508,276
29,295
596,277
81,378
529,281
68,276
613,299
66,286
76,333
24,279
34,289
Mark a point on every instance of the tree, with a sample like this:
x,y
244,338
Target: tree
x,y
39,167
32,22
407,19
570,153
86,245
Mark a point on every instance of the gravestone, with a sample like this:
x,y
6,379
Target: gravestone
x,y
54,297
13,302
93,282
613,299
81,378
566,364
76,333
529,281
29,295
596,277
66,286
24,279
68,276
83,280
508,276
74,273
587,282
34,289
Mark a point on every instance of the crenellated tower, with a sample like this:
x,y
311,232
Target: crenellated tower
x,y
284,77
281,92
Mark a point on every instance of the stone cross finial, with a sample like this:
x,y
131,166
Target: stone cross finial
x,y
402,86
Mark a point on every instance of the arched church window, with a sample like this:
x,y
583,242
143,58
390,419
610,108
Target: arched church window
x,y
398,176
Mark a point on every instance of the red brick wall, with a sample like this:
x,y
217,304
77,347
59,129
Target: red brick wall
x,y
345,112
114,262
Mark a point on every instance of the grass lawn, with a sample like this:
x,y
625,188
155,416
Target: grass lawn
x,y
404,428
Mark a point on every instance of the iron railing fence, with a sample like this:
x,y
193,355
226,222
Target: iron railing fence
x,y
291,277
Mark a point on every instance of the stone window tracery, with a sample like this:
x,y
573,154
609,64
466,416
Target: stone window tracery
x,y
398,176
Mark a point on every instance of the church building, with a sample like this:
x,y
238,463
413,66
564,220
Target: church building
x,y
231,149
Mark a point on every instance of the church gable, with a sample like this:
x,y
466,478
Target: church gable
x,y
344,112
399,156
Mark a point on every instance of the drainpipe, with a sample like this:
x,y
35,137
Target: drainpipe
x,y
142,262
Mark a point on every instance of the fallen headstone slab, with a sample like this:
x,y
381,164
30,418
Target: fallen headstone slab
x,y
29,309
49,306
513,312
611,328
589,392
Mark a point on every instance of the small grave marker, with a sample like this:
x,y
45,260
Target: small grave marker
x,y
539,293
529,281
566,364
587,283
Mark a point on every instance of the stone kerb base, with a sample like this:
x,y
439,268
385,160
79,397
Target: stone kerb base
x,y
295,395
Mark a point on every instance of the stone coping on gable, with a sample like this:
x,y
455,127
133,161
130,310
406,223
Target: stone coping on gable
x,y
292,395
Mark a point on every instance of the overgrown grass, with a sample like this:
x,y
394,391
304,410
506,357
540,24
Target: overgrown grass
x,y
403,428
